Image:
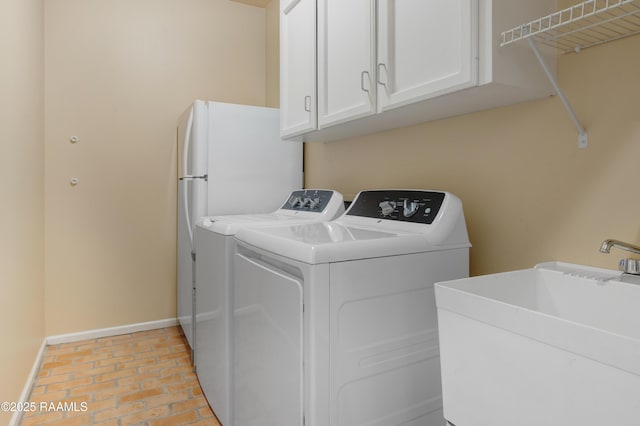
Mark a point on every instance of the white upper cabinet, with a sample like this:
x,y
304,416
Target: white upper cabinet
x,y
346,60
383,64
426,48
298,113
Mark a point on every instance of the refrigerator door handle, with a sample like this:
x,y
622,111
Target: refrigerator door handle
x,y
185,205
185,163
190,177
187,143
185,152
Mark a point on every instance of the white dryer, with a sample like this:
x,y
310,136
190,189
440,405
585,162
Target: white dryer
x,y
215,246
335,323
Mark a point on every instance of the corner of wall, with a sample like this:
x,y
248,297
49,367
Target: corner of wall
x,y
22,188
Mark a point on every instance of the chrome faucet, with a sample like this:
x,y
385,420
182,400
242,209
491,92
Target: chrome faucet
x,y
607,244
629,266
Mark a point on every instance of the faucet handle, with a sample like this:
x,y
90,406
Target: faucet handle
x,y
630,266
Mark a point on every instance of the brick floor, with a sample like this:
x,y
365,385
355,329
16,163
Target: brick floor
x,y
137,379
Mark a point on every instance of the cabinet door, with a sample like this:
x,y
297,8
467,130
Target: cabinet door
x,y
426,48
346,60
297,67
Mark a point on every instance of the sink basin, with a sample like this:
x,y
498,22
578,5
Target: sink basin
x,y
558,344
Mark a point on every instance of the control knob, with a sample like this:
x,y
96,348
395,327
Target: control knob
x,y
410,208
294,202
387,207
306,202
314,203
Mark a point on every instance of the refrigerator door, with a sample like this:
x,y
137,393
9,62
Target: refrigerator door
x,y
250,168
192,204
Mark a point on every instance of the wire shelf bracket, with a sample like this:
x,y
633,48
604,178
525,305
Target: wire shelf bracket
x,y
583,139
570,30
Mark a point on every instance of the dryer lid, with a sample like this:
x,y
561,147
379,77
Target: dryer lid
x,y
302,206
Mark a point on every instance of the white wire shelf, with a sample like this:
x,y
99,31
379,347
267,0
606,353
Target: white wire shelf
x,y
584,25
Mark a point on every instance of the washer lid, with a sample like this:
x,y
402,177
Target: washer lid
x,y
326,242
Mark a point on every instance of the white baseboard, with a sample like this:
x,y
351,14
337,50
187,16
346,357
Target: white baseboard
x,y
28,386
76,337
110,331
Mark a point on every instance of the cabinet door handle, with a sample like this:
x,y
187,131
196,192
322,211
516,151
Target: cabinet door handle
x,y
382,65
362,85
307,103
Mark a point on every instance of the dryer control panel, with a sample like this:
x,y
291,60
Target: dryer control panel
x,y
402,205
308,200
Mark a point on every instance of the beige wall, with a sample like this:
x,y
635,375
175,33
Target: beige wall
x,y
21,193
530,195
118,74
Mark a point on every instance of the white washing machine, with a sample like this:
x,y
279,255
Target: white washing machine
x,y
215,245
335,323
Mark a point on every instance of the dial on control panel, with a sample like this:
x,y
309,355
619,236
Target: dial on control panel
x,y
295,202
387,207
410,208
314,203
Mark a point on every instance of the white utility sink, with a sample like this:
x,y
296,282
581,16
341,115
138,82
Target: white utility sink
x,y
558,344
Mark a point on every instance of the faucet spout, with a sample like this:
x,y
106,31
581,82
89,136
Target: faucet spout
x,y
607,244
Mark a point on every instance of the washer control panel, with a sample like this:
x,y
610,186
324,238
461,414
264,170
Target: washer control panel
x,y
308,200
407,206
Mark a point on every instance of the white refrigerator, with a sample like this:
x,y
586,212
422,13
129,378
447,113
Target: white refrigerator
x,y
231,160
